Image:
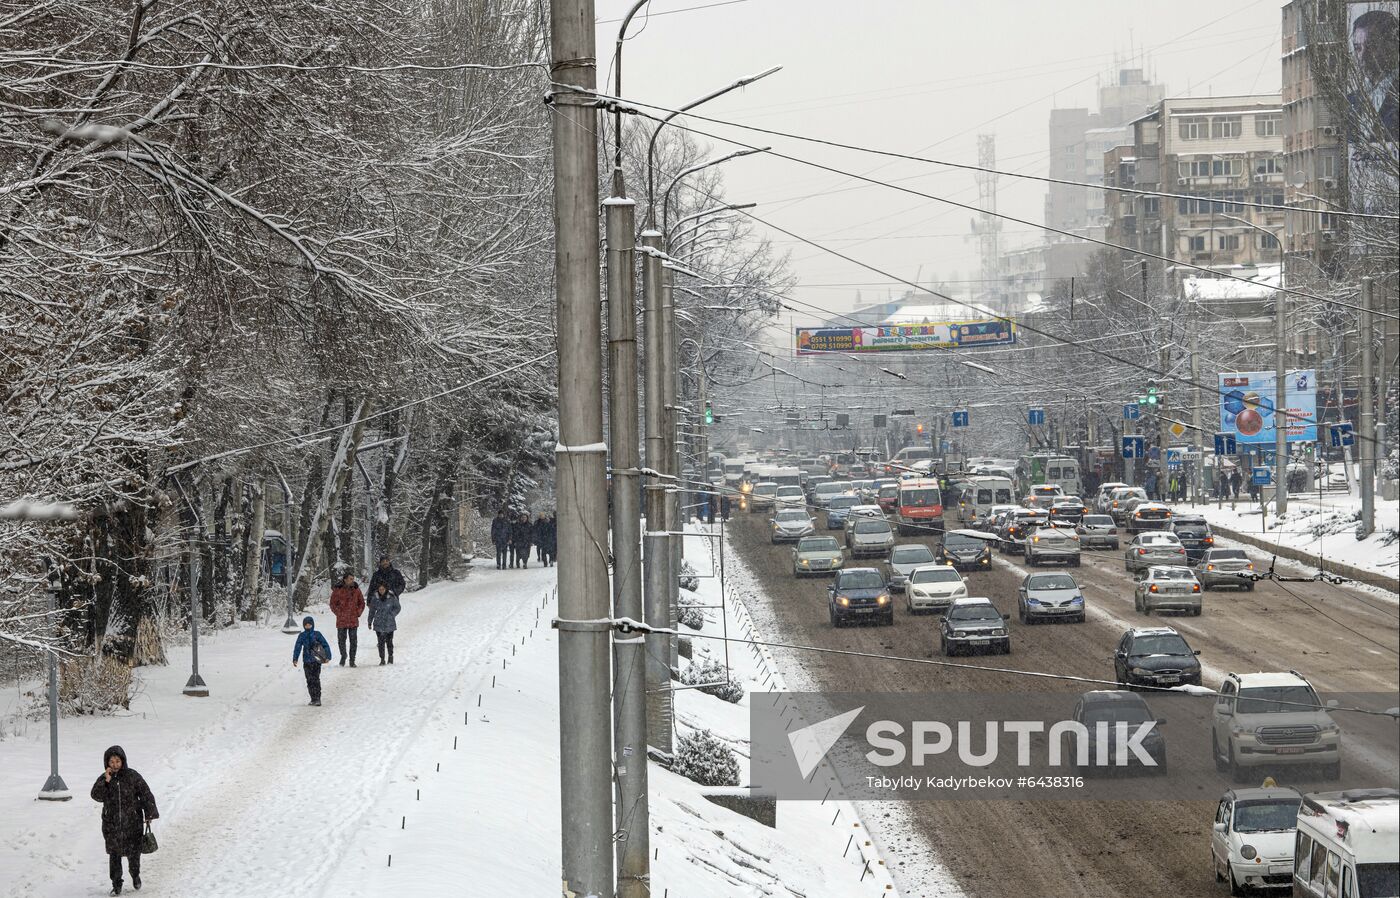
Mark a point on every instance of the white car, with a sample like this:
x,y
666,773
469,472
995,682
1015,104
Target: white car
x,y
791,497
933,588
791,524
865,511
1271,720
1251,841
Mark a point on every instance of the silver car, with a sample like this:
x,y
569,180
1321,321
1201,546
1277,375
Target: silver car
x,y
869,537
1097,530
817,555
791,524
1050,543
1168,589
1153,547
1225,567
903,560
1050,596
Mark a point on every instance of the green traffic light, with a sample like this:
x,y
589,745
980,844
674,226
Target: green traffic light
x,y
1152,400
709,415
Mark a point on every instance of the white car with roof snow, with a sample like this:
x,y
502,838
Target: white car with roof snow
x,y
933,588
1270,720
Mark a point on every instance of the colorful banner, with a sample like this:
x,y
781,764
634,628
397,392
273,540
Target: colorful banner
x,y
1247,407
905,337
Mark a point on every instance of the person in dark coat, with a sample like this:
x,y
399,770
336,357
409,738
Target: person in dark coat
x,y
384,611
317,651
539,531
551,541
1235,482
725,506
520,535
387,574
348,603
500,536
127,809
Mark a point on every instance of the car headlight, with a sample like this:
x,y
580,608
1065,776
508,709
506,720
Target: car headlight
x,y
999,631
960,591
1330,729
804,562
1248,852
843,601
1141,672
1077,600
882,600
1030,601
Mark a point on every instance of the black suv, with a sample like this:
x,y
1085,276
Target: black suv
x,y
964,552
1195,535
1155,656
859,592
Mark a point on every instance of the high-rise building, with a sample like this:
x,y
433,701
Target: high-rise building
x,y
1313,154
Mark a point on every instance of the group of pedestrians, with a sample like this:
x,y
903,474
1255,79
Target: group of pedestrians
x,y
1227,486
513,534
347,604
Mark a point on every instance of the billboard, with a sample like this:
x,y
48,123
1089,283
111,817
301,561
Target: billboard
x,y
905,337
1373,104
1247,406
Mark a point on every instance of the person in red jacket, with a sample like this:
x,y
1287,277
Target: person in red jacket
x,y
347,603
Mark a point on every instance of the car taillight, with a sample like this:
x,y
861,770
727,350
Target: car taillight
x,y
1210,567
1195,587
1209,540
1249,567
1152,588
1142,551
1180,551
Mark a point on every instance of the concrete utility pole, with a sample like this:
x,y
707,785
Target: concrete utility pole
x,y
1280,404
670,393
656,544
1198,464
585,736
1366,439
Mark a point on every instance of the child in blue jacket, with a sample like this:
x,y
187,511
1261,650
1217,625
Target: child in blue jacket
x,y
317,652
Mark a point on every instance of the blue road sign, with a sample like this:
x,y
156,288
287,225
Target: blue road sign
x,y
1131,412
960,418
1225,444
1342,435
944,446
1173,459
1132,446
1035,417
1261,476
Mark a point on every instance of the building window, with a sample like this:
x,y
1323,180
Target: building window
x,y
1268,241
1195,128
1196,244
1270,165
1273,197
1151,205
1227,241
1226,126
1270,125
1326,165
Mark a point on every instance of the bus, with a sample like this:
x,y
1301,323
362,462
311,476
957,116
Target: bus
x,y
1056,470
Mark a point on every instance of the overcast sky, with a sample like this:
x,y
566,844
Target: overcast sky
x,y
918,77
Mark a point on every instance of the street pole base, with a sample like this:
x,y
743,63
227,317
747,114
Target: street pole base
x,y
55,789
291,626
196,687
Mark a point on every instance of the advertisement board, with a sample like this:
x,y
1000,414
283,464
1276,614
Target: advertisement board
x,y
1372,104
905,337
1247,406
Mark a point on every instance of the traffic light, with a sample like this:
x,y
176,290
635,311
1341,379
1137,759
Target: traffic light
x,y
1152,395
709,413
919,428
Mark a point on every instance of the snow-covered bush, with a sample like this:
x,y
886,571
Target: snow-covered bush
x,y
95,684
692,617
703,757
689,581
720,683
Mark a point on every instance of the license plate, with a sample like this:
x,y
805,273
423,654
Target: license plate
x,y
979,641
1169,681
1290,751
1280,868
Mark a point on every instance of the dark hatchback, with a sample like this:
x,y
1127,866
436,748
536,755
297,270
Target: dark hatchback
x,y
1155,656
973,623
859,592
966,553
1114,707
1195,535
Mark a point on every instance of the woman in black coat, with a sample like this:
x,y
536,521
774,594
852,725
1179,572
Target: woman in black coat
x,y
522,533
127,808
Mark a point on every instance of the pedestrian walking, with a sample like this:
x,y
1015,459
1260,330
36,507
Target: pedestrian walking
x,y
520,535
313,650
538,533
127,811
551,541
383,619
500,536
387,574
348,603
1236,481
725,507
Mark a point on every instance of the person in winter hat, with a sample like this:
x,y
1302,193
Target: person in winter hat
x,y
520,535
127,808
387,574
384,611
317,651
348,603
500,535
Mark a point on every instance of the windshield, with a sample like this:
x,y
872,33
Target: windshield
x,y
842,502
1003,495
1378,880
974,612
832,487
1228,555
819,544
920,497
936,575
1129,494
1161,539
1266,816
862,580
1116,712
911,555
1050,581
792,514
789,491
959,541
1172,573
1277,700
889,492
766,489
734,468
1166,644
1099,520
872,526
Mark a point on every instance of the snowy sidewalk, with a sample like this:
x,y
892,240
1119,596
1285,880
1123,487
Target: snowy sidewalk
x,y
259,793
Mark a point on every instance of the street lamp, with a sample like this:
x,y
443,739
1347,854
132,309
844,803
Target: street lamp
x,y
55,789
684,173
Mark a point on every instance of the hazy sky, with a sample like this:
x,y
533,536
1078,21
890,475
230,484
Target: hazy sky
x,y
923,77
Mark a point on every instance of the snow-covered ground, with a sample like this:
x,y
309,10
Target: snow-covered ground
x,y
436,776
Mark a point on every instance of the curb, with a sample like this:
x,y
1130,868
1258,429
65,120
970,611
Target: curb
x,y
1370,578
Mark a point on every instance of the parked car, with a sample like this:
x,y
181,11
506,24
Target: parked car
x,y
1148,549
1155,656
817,555
904,559
1252,838
867,536
1048,597
1167,589
1225,567
1070,509
791,524
836,509
1050,543
1271,720
1097,530
859,592
933,588
1114,706
1195,534
966,550
1149,516
973,623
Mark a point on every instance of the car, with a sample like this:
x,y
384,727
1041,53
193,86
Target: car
x,y
1049,597
1048,542
1115,706
966,550
865,489
837,508
869,537
1225,567
823,493
1149,516
763,496
1105,492
973,623
790,497
1166,588
791,524
990,520
933,588
1251,840
1069,508
1195,534
1155,656
859,592
1122,499
811,484
887,495
1046,493
1097,530
1013,532
1148,549
817,555
865,510
904,558
1271,720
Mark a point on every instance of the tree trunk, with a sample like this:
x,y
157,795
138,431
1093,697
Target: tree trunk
x,y
345,533
252,562
129,636
432,551
315,532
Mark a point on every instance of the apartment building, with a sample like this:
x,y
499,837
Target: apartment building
x,y
1313,142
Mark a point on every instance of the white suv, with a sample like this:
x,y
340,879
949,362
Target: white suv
x,y
1272,720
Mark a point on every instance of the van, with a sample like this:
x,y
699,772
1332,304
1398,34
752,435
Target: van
x,y
979,494
788,475
919,507
904,459
1348,844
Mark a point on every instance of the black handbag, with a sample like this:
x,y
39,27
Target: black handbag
x,y
148,841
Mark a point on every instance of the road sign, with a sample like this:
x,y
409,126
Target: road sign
x,y
1132,446
1225,444
902,413
1261,476
1131,413
879,421
960,418
1342,435
843,420
1176,429
1174,459
1035,417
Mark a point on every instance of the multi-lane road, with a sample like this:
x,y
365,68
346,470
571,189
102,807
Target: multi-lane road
x,y
1345,640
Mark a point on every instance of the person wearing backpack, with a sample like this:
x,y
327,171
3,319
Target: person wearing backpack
x,y
384,611
127,807
317,652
